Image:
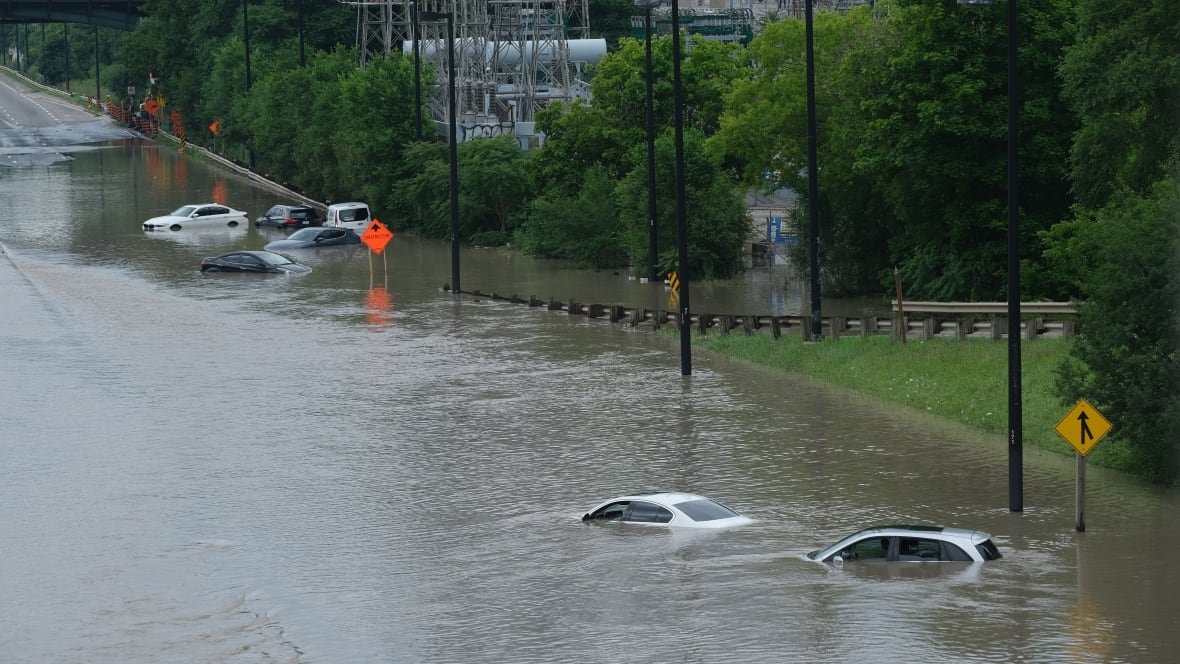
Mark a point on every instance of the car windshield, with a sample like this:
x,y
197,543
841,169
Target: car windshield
x,y
356,214
182,211
305,234
705,510
273,259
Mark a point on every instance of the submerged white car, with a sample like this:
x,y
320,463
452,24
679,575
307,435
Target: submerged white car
x,y
911,544
200,215
684,510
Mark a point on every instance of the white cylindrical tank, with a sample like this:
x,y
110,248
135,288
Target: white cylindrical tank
x,y
587,51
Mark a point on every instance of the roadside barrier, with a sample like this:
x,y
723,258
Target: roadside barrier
x,y
962,325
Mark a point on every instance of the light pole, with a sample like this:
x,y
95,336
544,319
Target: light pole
x,y
681,208
1015,414
647,6
453,141
249,77
417,73
816,331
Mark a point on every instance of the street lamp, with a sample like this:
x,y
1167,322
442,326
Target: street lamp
x,y
1015,424
681,208
249,77
417,73
454,150
816,332
647,6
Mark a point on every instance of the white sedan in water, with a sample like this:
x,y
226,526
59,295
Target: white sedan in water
x,y
685,510
198,215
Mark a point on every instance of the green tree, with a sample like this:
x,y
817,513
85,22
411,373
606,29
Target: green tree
x,y
583,228
611,20
375,121
610,136
422,192
495,187
1125,358
1123,78
763,137
1120,255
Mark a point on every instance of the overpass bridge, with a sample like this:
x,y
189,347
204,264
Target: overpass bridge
x,y
117,14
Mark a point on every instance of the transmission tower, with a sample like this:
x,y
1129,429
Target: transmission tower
x,y
512,57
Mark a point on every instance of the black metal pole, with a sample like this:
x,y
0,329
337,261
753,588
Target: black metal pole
x,y
454,153
66,29
417,73
1015,424
681,208
302,58
651,157
246,43
816,331
97,71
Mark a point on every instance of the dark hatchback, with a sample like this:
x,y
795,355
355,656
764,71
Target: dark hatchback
x,y
290,216
253,261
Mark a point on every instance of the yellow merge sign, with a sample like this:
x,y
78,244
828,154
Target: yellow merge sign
x,y
1083,426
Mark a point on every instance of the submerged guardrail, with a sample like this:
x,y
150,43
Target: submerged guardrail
x,y
954,322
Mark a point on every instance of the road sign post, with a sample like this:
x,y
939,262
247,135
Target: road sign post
x,y
1082,427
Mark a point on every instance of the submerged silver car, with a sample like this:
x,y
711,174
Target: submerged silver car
x,y
678,510
911,544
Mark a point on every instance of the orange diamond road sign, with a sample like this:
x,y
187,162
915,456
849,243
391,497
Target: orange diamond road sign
x,y
376,236
1083,426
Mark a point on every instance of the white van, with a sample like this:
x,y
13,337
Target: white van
x,y
348,215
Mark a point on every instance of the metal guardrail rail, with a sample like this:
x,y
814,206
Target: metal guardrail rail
x,y
984,308
962,325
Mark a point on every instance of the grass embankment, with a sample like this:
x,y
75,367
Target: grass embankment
x,y
963,381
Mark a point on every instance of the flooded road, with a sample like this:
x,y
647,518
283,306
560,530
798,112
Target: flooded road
x,y
353,466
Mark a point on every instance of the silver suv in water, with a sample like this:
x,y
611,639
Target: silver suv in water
x,y
911,544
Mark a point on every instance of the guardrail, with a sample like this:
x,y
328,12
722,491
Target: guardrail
x,y
984,308
965,325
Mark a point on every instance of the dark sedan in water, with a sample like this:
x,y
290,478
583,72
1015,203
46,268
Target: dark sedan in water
x,y
310,238
253,261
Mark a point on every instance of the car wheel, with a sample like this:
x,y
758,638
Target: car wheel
x,y
174,227
232,224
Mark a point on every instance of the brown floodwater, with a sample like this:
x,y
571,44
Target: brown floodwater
x,y
354,466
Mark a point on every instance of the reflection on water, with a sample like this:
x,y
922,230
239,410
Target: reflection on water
x,y
355,466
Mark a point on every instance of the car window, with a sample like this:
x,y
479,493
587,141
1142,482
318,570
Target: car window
x,y
304,234
273,259
870,548
182,211
611,512
334,234
705,510
918,549
988,550
356,214
644,512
